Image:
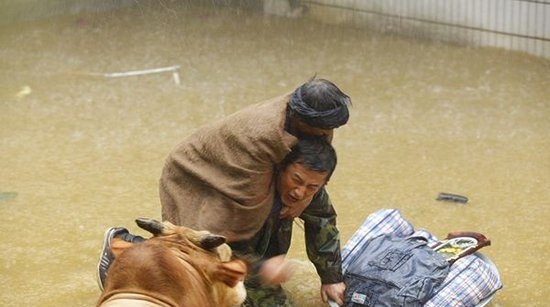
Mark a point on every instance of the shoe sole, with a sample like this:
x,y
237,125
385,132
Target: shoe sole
x,y
105,250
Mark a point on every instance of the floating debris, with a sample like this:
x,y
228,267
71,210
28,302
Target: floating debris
x,y
452,198
24,91
173,69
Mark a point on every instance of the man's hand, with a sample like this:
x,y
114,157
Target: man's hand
x,y
333,292
295,209
277,270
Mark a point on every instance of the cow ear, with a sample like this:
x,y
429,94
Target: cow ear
x,y
153,226
230,273
210,241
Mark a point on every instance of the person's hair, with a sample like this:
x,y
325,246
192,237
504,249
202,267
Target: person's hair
x,y
315,154
320,103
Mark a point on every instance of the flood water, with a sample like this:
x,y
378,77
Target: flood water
x,y
81,152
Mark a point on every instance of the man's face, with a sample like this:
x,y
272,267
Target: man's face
x,y
296,186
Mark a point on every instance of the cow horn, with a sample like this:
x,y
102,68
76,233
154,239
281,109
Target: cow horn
x,y
153,226
211,240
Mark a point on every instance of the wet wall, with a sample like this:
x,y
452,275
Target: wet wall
x,y
24,10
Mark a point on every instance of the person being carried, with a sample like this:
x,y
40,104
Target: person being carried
x,y
221,177
299,183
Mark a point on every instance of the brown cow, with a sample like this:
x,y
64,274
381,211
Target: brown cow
x,y
177,267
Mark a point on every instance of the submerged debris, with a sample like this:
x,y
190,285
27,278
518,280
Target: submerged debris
x,y
6,196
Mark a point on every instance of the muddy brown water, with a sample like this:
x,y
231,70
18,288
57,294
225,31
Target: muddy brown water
x,y
82,152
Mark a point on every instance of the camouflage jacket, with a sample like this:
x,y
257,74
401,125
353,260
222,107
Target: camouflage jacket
x,y
321,236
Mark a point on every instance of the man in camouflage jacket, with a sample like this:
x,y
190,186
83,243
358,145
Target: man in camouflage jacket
x,y
316,161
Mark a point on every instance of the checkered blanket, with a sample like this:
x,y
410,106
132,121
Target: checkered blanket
x,y
471,281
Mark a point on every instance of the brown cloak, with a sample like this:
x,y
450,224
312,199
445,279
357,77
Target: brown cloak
x,y
220,178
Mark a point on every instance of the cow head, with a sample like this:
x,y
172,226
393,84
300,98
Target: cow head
x,y
202,239
180,267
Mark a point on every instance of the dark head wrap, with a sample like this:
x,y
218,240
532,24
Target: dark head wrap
x,y
319,103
